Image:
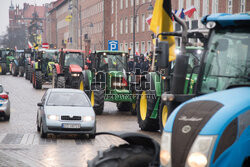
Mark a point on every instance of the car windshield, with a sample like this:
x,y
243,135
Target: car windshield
x,y
74,58
113,62
227,62
68,99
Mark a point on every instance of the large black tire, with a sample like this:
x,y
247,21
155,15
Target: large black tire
x,y
97,99
31,74
145,107
124,106
14,70
38,80
61,82
133,109
21,71
7,117
42,133
3,68
27,70
54,79
123,156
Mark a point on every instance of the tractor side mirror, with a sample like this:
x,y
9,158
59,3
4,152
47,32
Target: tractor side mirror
x,y
162,53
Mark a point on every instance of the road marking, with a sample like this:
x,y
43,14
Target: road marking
x,y
2,135
12,138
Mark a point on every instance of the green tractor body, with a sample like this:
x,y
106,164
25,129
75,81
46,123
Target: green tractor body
x,y
107,80
42,67
6,57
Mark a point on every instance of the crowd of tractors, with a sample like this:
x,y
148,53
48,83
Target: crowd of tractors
x,y
222,63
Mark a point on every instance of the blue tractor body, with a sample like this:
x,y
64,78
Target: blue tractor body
x,y
229,126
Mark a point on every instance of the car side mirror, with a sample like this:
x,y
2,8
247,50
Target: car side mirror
x,y
40,104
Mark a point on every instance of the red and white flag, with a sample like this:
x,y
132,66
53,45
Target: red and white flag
x,y
190,11
30,45
148,20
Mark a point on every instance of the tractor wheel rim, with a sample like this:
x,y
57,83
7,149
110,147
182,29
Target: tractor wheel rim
x,y
143,105
81,86
164,115
133,106
92,99
0,69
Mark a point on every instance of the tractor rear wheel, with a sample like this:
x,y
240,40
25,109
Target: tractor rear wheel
x,y
38,80
97,99
2,69
61,82
31,74
123,156
21,71
145,107
27,72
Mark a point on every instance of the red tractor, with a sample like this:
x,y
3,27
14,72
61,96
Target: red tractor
x,y
67,72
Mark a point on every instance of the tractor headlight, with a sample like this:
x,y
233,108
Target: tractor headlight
x,y
199,51
200,153
165,154
119,84
75,75
167,97
210,24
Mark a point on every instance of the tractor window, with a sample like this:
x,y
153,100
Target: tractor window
x,y
73,58
227,61
50,56
115,62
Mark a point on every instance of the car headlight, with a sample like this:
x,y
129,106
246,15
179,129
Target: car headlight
x,y
87,118
165,154
53,117
200,153
75,75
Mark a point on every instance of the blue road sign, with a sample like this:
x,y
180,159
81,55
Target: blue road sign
x,y
113,45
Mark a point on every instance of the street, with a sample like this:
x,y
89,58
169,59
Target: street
x,y
21,145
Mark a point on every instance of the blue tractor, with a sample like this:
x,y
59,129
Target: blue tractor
x,y
211,129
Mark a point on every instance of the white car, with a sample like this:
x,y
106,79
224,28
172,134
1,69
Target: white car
x,y
65,111
4,104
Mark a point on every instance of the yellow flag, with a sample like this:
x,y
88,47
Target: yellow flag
x,y
162,22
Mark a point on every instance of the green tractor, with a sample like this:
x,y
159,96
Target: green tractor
x,y
6,57
42,67
29,60
107,80
17,65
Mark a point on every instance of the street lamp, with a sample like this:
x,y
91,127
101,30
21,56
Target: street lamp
x,y
150,8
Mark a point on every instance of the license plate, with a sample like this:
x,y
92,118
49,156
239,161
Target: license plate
x,y
71,126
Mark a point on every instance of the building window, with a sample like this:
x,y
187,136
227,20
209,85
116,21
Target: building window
x,y
121,4
112,6
121,46
142,47
126,47
121,26
242,6
126,25
143,23
131,24
137,23
149,46
205,7
131,47
215,6
137,2
229,6
132,2
126,3
137,47
112,29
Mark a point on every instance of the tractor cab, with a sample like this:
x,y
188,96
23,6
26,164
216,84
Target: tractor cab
x,y
111,61
6,58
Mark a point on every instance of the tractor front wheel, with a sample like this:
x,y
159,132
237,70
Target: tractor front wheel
x,y
2,69
145,107
38,80
21,71
123,156
14,70
97,99
61,82
164,112
54,79
123,106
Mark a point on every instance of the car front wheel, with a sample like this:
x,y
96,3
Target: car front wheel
x,y
42,133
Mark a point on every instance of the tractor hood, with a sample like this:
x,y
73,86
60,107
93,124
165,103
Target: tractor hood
x,y
218,109
74,68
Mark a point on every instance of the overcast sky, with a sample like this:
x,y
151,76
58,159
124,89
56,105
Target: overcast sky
x,y
4,10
